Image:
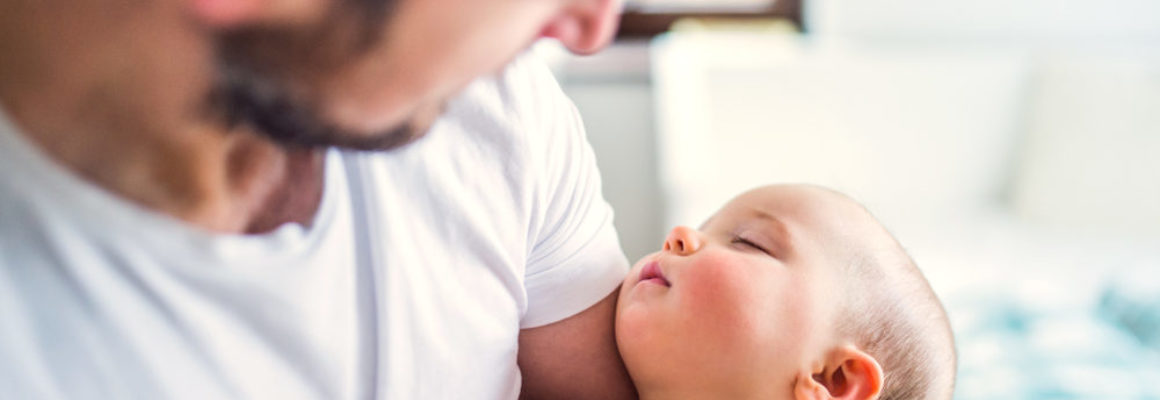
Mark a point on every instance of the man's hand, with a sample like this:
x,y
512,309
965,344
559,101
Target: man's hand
x,y
575,358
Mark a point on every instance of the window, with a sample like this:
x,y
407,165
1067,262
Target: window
x,y
647,18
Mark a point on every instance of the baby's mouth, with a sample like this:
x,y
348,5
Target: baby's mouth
x,y
652,273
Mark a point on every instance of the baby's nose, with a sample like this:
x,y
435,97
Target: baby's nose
x,y
683,240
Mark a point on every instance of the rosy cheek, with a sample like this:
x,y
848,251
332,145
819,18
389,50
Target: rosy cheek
x,y
720,299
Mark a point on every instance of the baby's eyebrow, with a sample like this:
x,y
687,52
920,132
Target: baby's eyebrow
x,y
769,216
780,231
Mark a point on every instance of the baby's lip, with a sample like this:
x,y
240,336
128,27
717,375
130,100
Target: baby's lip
x,y
652,273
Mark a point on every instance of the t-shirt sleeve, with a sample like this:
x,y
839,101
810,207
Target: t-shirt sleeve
x,y
575,259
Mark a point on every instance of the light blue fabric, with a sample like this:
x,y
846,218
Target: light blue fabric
x,y
1013,350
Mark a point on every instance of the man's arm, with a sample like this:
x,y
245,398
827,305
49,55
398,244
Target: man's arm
x,y
567,347
575,358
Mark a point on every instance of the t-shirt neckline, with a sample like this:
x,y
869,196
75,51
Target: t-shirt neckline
x,y
30,172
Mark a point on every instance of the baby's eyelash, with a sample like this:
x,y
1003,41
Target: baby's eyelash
x,y
747,242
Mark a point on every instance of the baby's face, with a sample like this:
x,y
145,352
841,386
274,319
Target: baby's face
x,y
729,310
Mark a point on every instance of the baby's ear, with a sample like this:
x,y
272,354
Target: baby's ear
x,y
847,373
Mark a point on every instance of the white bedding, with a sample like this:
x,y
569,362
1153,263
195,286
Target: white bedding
x,y
1047,313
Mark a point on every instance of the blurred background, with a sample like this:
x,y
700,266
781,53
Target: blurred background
x,y
1012,146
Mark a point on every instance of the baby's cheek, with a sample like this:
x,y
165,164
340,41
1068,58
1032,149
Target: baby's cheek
x,y
722,301
650,344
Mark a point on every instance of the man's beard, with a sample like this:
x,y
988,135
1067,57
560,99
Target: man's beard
x,y
254,68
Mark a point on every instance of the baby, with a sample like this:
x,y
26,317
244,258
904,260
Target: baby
x,y
788,292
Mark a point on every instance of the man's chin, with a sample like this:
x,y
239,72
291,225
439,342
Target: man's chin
x,y
245,99
394,138
322,133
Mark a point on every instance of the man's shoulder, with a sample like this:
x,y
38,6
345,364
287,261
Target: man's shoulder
x,y
524,95
493,134
510,119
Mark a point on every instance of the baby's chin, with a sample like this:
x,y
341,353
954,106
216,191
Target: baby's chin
x,y
637,304
631,279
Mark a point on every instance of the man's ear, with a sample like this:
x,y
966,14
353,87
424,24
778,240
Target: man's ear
x,y
225,13
846,374
585,26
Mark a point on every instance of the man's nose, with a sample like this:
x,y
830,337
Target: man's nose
x,y
683,241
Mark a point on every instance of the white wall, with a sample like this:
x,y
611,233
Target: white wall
x,y
613,89
1099,21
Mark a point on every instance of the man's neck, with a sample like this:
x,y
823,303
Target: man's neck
x,y
128,117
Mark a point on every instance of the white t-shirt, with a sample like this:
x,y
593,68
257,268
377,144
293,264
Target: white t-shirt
x,y
413,281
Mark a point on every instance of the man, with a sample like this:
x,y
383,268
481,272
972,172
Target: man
x,y
183,213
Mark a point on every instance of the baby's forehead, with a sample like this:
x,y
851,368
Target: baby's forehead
x,y
805,204
809,211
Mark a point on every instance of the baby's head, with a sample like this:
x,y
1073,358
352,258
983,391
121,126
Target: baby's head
x,y
788,292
